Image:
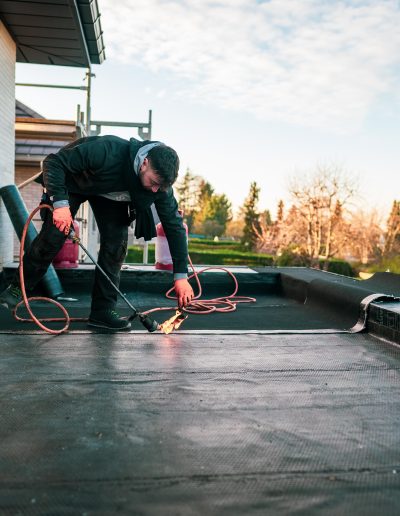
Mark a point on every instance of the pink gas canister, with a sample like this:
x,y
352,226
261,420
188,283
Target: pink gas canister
x,y
67,257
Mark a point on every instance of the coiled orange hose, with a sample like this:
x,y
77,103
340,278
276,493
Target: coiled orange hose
x,y
208,306
26,300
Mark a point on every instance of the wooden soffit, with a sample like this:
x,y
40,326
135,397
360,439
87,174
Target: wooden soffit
x,y
44,129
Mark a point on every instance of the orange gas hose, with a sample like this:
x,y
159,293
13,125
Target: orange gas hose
x,y
208,306
27,299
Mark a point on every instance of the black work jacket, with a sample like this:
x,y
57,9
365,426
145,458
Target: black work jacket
x,y
104,164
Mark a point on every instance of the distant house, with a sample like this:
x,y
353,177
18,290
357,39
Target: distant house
x,y
35,138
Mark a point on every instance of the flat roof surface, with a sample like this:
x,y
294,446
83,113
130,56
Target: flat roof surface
x,y
270,312
185,424
205,420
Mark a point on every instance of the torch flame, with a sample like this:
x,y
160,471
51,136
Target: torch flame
x,y
173,323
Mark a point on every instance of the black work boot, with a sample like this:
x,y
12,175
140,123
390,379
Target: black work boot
x,y
108,319
11,296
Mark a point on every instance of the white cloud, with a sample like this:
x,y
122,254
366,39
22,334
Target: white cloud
x,y
308,62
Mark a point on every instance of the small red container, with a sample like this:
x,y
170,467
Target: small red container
x,y
67,257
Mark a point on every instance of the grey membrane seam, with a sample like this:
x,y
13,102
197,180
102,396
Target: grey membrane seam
x,y
390,470
186,332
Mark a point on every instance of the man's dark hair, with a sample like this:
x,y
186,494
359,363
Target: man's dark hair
x,y
165,163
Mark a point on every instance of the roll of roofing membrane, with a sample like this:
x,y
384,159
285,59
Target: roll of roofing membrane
x,y
350,300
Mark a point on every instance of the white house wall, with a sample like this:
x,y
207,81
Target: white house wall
x,y
7,136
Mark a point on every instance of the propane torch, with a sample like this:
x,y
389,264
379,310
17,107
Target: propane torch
x,y
148,322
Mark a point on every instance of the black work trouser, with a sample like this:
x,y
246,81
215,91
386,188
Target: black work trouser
x,y
112,221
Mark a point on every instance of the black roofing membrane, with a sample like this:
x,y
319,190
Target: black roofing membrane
x,y
267,313
294,299
199,424
216,423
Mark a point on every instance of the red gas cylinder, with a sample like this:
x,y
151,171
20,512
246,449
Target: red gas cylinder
x,y
67,257
163,255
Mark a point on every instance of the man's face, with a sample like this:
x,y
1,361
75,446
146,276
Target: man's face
x,y
148,177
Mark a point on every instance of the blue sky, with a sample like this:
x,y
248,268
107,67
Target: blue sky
x,y
248,90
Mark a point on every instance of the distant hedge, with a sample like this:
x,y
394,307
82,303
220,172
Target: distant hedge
x,y
209,255
205,242
289,258
208,252
337,266
387,264
223,257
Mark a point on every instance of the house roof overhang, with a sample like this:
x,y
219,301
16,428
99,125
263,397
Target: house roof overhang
x,y
55,32
42,128
36,138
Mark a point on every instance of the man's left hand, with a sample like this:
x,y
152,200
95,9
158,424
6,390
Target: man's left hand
x,y
184,292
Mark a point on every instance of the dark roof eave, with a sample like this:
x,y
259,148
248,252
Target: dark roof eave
x,y
68,33
91,25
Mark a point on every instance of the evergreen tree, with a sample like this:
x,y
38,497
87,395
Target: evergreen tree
x,y
184,192
205,193
192,192
251,217
216,214
265,217
280,213
392,237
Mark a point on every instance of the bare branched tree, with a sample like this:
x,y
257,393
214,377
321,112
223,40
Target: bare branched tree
x,y
273,236
363,240
320,198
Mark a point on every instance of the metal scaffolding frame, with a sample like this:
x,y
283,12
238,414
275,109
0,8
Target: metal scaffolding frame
x,y
85,124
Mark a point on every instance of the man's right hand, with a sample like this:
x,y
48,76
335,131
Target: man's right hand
x,y
183,291
62,219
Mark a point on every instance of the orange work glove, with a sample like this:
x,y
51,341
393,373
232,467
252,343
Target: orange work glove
x,y
62,219
183,291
